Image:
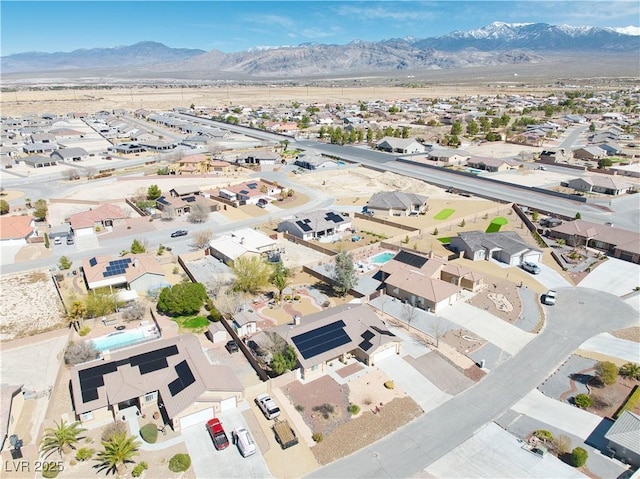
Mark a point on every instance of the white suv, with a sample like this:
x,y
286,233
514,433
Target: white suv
x,y
268,406
550,297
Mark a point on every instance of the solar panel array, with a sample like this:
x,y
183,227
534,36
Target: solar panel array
x,y
93,261
366,343
93,378
331,216
321,340
116,267
189,199
252,186
162,200
184,380
410,259
303,225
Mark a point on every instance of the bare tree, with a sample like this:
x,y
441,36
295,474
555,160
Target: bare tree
x,y
438,329
214,286
214,148
72,174
201,239
384,299
90,171
229,301
199,213
134,312
409,313
77,353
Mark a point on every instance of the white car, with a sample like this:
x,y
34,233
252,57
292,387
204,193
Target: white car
x,y
57,240
268,406
530,267
242,438
550,297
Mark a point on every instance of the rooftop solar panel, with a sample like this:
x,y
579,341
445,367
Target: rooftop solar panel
x,y
303,226
93,262
184,380
162,201
321,340
365,345
382,331
367,335
189,199
252,186
410,259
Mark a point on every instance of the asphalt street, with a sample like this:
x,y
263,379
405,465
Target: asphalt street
x,y
578,315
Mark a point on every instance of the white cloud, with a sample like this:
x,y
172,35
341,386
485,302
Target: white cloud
x,y
270,20
405,11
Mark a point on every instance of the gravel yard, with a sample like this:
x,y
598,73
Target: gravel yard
x,y
30,304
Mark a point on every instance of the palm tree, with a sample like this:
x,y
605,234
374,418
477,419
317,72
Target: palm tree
x,y
118,452
280,282
60,439
630,370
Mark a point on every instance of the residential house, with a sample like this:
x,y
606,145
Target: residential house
x,y
250,192
612,148
68,155
16,230
243,242
313,161
37,161
397,203
191,164
45,138
169,376
174,205
127,148
245,322
624,438
617,242
591,153
157,145
261,157
608,185
449,157
400,145
315,225
420,281
491,164
31,148
137,272
102,218
556,156
336,334
504,246
632,170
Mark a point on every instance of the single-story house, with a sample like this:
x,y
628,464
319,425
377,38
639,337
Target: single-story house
x,y
127,148
171,376
67,155
449,157
624,438
426,283
337,333
250,192
16,230
315,224
397,203
400,145
262,157
609,185
632,170
247,241
104,217
157,145
504,246
138,272
592,153
617,242
490,164
42,138
555,156
245,321
37,161
313,161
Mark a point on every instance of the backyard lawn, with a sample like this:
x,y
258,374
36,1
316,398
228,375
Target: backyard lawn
x,y
196,324
496,224
444,214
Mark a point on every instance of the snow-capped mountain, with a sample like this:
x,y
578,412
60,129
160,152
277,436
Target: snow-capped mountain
x,y
496,44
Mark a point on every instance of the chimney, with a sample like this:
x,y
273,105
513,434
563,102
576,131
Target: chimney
x,y
296,319
242,240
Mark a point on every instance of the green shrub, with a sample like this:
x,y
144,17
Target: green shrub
x,y
139,469
607,372
84,454
583,401
46,245
317,437
353,409
179,463
631,402
299,408
50,469
389,384
579,457
149,433
84,330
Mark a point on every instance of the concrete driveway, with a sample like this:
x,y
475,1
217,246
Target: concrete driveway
x,y
227,463
609,345
613,276
504,335
550,278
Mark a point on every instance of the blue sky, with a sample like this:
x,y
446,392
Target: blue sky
x,y
232,26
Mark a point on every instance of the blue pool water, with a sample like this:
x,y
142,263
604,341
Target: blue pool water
x,y
340,163
382,258
119,339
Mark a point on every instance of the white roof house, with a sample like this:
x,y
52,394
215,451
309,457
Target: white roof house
x,y
230,247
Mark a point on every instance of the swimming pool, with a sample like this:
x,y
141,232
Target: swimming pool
x,y
121,339
382,258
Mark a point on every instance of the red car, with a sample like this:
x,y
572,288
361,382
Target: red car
x,y
219,437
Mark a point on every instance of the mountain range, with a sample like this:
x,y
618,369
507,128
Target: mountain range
x,y
496,44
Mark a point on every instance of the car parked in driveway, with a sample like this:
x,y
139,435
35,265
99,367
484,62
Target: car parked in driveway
x,y
549,297
232,346
267,406
242,438
178,233
530,267
216,431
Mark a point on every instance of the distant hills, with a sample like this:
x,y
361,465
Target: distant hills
x,y
496,44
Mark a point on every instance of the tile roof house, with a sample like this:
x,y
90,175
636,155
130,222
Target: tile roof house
x,y
315,225
103,217
261,157
397,203
450,157
170,375
138,272
557,155
609,185
504,246
426,283
243,242
619,243
337,333
16,229
589,153
250,192
624,438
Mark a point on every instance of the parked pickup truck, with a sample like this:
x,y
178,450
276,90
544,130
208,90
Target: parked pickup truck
x,y
268,406
216,431
285,435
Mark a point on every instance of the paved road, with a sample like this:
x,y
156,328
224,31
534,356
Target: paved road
x,y
577,316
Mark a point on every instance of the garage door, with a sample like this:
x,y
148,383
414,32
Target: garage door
x,y
387,353
199,417
227,404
